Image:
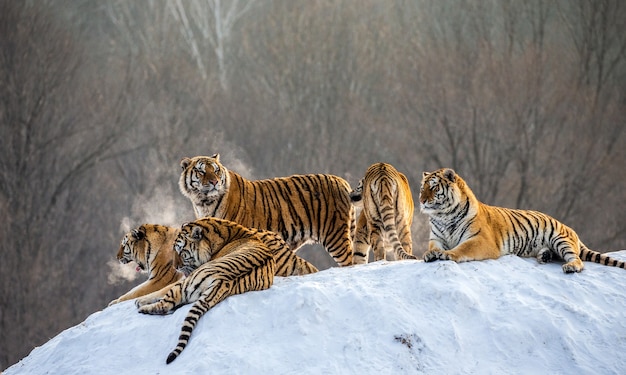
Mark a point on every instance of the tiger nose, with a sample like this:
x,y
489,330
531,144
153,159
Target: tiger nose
x,y
213,182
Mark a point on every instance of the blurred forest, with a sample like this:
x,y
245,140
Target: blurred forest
x,y
99,101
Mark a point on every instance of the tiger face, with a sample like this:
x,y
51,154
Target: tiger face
x,y
439,192
187,246
133,248
203,178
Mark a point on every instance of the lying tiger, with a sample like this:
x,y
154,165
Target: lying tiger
x,y
384,223
249,266
312,208
151,246
464,229
206,239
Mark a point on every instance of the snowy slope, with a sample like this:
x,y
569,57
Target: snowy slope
x,y
503,316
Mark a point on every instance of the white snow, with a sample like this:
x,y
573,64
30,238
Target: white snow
x,y
505,316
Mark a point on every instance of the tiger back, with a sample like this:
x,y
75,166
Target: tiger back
x,y
248,267
151,246
463,229
312,208
209,238
384,223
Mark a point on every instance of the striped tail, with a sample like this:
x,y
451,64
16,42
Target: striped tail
x,y
401,254
593,256
388,217
208,300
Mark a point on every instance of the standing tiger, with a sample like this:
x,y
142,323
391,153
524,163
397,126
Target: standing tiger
x,y
313,208
151,246
387,214
249,267
464,229
206,239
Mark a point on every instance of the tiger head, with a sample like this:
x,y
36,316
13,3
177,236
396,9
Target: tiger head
x,y
203,179
356,195
440,191
192,247
133,248
146,240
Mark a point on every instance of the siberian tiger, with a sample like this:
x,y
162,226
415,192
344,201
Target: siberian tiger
x,y
385,220
464,229
313,208
151,246
249,267
206,239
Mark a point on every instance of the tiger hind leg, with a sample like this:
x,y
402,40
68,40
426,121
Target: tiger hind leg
x,y
544,255
573,263
378,244
361,242
340,247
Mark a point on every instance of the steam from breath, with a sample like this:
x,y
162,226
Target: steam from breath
x,y
121,272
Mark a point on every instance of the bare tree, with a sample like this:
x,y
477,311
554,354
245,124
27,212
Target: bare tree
x,y
209,24
51,136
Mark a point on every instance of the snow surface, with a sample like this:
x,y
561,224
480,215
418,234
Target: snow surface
x,y
505,316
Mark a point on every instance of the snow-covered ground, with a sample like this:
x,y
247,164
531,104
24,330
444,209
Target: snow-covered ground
x,y
505,316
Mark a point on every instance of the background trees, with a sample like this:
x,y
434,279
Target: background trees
x,y
100,101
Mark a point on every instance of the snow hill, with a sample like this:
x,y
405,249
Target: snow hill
x,y
505,316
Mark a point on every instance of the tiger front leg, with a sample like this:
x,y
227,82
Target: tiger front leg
x,y
432,255
473,249
152,297
162,301
160,307
434,252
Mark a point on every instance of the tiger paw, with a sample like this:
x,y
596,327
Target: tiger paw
x,y
573,266
154,309
433,255
544,256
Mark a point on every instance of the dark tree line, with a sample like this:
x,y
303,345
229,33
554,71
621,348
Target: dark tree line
x,y
99,101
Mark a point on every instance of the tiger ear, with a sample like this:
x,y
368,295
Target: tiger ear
x,y
184,163
196,233
138,233
216,157
424,174
449,174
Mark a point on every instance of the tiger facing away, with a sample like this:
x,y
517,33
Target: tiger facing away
x,y
312,208
151,246
384,223
248,267
464,229
203,240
